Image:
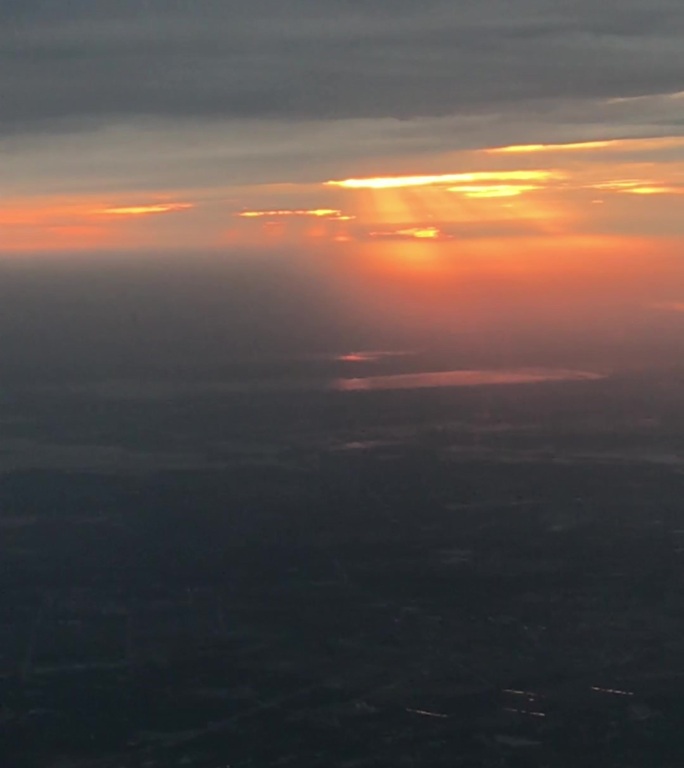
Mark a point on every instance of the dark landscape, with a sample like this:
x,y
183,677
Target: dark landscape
x,y
462,576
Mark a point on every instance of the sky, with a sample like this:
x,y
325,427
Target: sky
x,y
470,168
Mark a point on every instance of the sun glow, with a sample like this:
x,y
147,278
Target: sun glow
x,y
497,195
530,148
628,145
146,210
494,190
396,182
318,213
77,223
640,187
659,189
418,233
439,212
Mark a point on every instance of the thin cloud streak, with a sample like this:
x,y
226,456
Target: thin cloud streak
x,y
145,210
397,182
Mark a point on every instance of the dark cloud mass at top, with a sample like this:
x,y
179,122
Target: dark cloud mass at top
x,y
73,61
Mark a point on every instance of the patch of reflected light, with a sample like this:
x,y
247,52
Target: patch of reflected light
x,y
461,378
394,182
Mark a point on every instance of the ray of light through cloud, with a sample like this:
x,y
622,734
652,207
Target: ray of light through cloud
x,y
385,175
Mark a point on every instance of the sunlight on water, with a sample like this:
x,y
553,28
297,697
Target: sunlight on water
x,y
462,378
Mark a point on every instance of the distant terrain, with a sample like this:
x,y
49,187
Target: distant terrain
x,y
213,576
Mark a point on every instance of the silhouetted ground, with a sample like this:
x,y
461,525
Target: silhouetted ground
x,y
465,578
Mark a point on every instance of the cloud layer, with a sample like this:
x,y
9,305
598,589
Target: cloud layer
x,y
73,61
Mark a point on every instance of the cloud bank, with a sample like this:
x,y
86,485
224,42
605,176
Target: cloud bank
x,y
75,62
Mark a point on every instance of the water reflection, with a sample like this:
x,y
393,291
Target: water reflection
x,y
462,378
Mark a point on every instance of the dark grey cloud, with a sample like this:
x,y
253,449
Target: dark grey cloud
x,y
72,61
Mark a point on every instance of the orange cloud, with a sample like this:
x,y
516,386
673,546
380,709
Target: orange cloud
x,y
395,182
145,210
530,148
73,223
318,213
630,145
494,190
657,189
418,233
640,187
50,225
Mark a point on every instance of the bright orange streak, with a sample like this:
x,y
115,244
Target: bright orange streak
x,y
76,223
621,185
420,233
323,213
523,148
639,187
495,190
665,142
662,190
144,210
393,182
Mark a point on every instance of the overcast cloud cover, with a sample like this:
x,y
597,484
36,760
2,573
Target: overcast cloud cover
x,y
83,60
146,94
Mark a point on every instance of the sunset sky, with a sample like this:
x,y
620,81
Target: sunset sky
x,y
500,155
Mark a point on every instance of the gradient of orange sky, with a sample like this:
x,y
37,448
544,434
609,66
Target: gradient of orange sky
x,y
554,241
546,220
621,187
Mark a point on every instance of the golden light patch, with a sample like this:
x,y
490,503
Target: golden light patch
x,y
639,187
421,233
51,224
654,190
624,145
530,148
76,223
493,190
418,233
395,182
318,213
619,185
145,210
